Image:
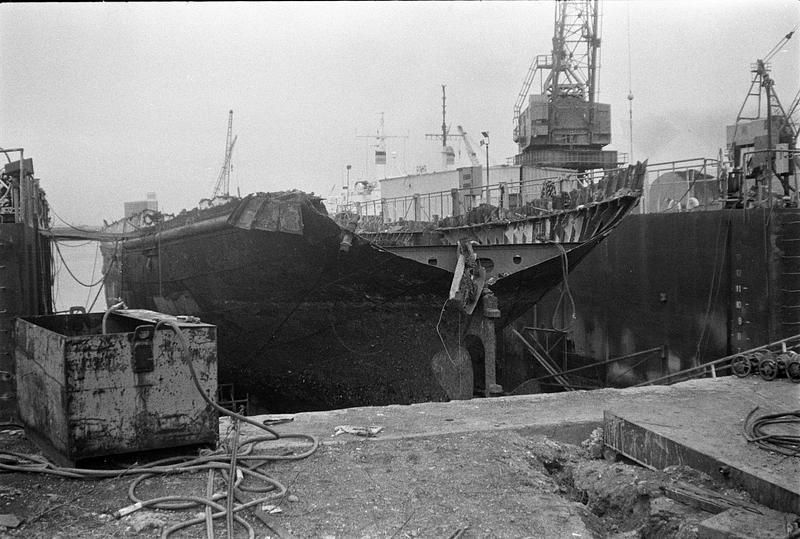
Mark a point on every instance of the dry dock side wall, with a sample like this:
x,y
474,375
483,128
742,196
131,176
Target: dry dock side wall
x,y
699,284
25,289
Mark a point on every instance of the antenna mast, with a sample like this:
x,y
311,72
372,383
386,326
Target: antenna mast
x,y
448,155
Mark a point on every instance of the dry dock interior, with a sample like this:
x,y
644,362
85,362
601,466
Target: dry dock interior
x,y
506,467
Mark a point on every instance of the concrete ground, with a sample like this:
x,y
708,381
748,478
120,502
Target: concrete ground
x,y
707,412
500,467
567,417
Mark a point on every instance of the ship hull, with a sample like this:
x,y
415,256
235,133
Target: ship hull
x,y
311,317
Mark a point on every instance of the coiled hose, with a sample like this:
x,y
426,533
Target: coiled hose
x,y
225,462
783,443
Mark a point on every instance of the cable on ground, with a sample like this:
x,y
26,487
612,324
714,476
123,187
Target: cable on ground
x,y
783,443
237,465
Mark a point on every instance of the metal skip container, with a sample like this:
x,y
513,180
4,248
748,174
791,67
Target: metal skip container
x,y
90,387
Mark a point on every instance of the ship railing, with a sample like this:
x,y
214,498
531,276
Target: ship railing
x,y
546,193
703,184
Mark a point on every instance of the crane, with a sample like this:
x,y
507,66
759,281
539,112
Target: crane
x,y
754,155
571,69
222,187
762,89
473,157
762,80
563,125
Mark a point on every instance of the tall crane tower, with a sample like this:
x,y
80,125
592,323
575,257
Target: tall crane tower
x,y
563,125
222,187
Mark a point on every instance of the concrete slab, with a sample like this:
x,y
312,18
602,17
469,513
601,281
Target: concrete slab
x,y
567,417
741,524
702,428
415,440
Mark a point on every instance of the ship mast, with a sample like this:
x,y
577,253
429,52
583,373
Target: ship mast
x,y
380,145
448,155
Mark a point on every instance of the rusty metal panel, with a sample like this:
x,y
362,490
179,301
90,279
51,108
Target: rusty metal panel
x,y
90,394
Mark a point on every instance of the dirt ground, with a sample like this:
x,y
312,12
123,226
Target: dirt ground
x,y
487,484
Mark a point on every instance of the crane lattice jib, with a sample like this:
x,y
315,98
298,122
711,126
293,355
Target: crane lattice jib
x,y
571,70
473,157
575,44
222,187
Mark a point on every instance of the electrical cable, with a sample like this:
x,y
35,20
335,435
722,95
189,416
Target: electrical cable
x,y
783,443
94,270
565,291
716,281
217,460
64,262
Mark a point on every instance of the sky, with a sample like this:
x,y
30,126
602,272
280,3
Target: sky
x,y
114,100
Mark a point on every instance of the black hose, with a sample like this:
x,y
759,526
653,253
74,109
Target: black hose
x,y
243,451
783,443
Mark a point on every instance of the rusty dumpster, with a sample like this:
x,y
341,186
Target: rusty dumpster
x,y
84,392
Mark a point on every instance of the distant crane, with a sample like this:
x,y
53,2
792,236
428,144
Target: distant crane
x,y
473,157
762,89
754,155
222,187
762,80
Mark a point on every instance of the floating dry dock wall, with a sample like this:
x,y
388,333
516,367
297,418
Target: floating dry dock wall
x,y
693,286
25,264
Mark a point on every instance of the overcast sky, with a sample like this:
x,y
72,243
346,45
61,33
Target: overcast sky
x,y
115,100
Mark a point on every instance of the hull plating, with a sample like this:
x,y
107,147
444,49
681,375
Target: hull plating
x,y
306,325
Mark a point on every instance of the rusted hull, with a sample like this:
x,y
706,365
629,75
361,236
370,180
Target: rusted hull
x,y
303,325
306,324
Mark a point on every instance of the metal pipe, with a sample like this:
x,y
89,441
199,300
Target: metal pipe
x,y
601,363
718,361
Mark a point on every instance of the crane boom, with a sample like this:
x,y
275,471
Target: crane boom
x,y
762,90
222,187
473,157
